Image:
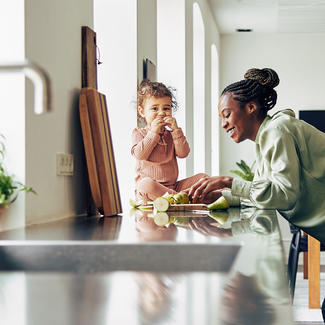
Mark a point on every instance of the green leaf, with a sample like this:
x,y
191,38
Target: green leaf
x,y
245,167
9,187
246,172
238,173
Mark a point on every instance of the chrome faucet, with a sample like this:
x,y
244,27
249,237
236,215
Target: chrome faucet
x,y
40,79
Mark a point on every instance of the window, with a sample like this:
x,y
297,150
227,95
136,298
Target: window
x,y
198,90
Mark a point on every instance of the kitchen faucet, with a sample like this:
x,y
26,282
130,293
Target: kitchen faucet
x,y
40,79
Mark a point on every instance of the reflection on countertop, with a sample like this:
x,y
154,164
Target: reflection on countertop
x,y
254,291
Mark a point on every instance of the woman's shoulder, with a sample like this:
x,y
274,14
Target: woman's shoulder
x,y
282,120
283,116
277,125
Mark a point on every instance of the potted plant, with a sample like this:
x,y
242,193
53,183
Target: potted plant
x,y
245,171
9,186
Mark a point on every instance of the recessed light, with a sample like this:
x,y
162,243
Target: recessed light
x,y
244,30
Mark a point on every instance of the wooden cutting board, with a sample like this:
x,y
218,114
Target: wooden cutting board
x,y
89,150
183,207
111,157
99,152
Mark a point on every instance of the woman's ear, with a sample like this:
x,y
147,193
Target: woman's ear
x,y
251,107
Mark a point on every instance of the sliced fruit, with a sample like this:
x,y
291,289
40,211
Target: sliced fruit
x,y
161,204
170,198
220,204
145,207
185,198
181,198
135,204
161,219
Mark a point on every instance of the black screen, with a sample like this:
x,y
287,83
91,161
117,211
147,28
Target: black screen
x,y
315,118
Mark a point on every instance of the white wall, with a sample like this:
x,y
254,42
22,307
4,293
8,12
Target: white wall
x,y
299,61
53,40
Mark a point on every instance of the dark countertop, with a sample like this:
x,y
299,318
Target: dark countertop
x,y
128,270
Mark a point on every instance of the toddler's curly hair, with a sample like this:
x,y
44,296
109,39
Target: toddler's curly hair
x,y
149,88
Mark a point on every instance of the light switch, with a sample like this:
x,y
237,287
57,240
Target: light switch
x,y
64,164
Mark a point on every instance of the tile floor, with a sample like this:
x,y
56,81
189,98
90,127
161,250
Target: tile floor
x,y
304,315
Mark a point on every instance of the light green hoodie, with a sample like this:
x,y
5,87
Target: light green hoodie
x,y
289,173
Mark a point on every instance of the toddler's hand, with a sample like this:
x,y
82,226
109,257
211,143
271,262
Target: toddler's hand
x,y
157,125
171,122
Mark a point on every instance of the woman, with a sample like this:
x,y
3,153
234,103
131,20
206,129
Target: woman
x,y
290,155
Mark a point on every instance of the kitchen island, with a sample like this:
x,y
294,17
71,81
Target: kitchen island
x,y
226,268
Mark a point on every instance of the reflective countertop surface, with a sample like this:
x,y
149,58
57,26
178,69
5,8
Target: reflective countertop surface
x,y
227,268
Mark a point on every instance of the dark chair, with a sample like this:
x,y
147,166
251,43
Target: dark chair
x,y
298,244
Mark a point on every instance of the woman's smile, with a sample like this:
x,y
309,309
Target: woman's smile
x,y
231,131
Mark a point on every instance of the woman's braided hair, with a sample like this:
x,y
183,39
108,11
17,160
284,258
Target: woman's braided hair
x,y
257,86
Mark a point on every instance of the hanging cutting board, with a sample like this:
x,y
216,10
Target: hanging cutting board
x,y
88,58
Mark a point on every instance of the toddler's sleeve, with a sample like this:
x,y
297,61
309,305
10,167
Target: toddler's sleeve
x,y
142,146
182,147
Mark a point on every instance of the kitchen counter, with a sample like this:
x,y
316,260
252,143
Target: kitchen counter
x,y
227,268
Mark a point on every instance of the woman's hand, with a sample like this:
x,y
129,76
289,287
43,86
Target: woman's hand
x,y
171,122
199,191
202,226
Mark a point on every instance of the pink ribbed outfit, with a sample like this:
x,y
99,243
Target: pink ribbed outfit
x,y
156,164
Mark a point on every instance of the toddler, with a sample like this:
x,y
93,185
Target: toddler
x,y
156,146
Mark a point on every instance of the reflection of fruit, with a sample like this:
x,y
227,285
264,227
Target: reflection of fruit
x,y
220,216
161,219
161,204
133,211
172,219
134,203
220,204
181,221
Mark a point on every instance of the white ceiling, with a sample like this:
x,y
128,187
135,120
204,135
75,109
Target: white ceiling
x,y
270,16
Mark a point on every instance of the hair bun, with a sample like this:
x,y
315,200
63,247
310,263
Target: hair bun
x,y
265,77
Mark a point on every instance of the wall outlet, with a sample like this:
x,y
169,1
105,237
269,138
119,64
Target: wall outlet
x,y
64,164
